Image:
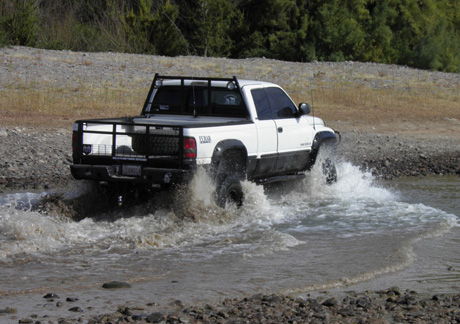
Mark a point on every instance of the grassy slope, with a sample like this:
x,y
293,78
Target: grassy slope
x,y
50,89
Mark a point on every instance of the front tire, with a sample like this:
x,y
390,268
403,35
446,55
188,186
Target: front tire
x,y
326,160
229,191
329,171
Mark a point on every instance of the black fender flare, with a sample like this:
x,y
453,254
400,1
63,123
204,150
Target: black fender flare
x,y
226,146
332,139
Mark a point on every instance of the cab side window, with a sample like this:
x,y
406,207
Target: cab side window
x,y
262,104
282,106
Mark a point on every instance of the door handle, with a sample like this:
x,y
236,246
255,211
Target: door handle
x,y
280,129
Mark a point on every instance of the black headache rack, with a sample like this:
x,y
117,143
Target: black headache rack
x,y
120,150
220,97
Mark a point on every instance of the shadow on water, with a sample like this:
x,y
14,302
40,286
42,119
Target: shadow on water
x,y
98,204
90,200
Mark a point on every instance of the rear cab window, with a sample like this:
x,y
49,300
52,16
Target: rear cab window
x,y
198,100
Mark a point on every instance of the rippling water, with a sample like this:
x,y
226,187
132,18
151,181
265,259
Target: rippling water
x,y
291,238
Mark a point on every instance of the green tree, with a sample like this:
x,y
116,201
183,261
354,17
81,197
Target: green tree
x,y
273,28
427,34
209,24
138,23
150,27
338,32
379,32
167,36
19,22
439,49
290,43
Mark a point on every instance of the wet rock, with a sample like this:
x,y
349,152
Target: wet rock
x,y
138,317
272,299
26,321
76,309
177,303
409,300
51,296
257,297
362,302
8,310
347,312
395,291
116,285
330,302
156,317
125,311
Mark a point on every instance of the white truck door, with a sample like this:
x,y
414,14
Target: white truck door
x,y
267,137
295,135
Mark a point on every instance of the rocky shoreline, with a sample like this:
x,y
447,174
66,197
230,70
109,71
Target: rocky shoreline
x,y
381,307
386,306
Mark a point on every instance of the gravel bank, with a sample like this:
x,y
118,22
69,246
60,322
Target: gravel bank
x,y
40,159
34,159
386,306
380,307
65,69
391,156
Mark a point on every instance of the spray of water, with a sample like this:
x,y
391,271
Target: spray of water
x,y
189,217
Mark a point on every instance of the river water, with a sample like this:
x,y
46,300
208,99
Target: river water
x,y
359,233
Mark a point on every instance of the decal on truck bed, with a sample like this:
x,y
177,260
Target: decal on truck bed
x,y
205,140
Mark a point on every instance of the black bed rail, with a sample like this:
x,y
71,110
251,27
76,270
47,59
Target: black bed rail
x,y
116,141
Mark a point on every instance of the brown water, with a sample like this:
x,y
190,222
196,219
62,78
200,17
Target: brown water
x,y
297,239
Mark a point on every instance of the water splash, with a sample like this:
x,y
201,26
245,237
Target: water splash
x,y
287,237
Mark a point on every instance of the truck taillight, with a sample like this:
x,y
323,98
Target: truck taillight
x,y
189,148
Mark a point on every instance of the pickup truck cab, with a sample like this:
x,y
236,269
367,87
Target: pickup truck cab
x,y
237,129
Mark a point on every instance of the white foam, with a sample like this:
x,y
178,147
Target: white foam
x,y
355,205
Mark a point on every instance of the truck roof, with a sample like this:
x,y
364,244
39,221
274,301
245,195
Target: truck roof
x,y
213,82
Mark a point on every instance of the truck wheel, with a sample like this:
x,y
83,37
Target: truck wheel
x,y
229,191
326,159
329,171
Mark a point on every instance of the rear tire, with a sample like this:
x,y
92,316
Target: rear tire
x,y
229,191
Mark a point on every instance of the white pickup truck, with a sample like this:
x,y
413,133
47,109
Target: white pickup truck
x,y
237,129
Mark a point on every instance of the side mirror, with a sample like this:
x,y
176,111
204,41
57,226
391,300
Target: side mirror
x,y
304,108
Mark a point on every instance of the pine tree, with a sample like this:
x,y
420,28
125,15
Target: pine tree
x,y
19,22
337,30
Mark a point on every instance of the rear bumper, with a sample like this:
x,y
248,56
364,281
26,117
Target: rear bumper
x,y
114,173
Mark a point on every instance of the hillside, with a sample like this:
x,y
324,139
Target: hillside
x,y
394,120
52,88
